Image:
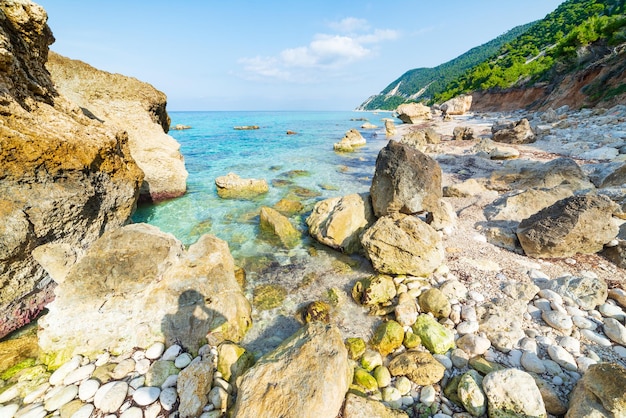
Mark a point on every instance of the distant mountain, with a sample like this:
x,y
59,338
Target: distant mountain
x,y
421,84
577,33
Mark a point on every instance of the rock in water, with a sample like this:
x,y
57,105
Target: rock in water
x,y
65,177
233,186
350,142
578,224
278,227
138,109
339,222
139,285
406,180
403,245
306,376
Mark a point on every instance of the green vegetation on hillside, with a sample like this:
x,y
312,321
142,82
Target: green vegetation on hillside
x,y
555,39
424,83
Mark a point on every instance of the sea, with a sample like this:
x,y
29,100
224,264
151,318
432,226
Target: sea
x,y
301,166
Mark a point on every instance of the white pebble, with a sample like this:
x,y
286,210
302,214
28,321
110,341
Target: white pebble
x,y
88,389
552,367
183,360
170,381
171,353
428,395
467,327
103,359
404,385
142,366
407,400
474,295
80,374
557,381
612,311
58,376
562,357
532,363
168,398
146,395
137,382
584,323
9,411
543,304
620,351
139,355
224,384
535,274
133,412
123,368
110,397
596,338
219,398
84,411
444,360
35,394
152,411
551,295
9,394
32,411
615,331
155,351
584,363
64,396
528,344
570,344
515,357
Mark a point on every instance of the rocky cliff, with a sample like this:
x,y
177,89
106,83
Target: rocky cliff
x,y
125,103
64,177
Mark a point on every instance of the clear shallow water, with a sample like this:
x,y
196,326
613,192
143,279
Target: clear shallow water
x,y
212,148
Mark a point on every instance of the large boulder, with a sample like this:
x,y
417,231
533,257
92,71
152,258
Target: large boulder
x,y
518,132
65,177
457,105
350,142
339,222
125,103
578,224
413,112
513,393
403,244
600,392
231,186
137,285
308,375
406,181
519,205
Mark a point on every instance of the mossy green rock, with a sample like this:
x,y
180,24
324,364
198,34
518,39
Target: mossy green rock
x,y
379,289
233,360
268,296
278,228
356,347
484,366
471,394
159,371
317,311
387,337
419,366
365,380
411,340
451,389
382,376
434,336
435,302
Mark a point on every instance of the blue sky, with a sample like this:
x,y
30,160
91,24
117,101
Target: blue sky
x,y
275,54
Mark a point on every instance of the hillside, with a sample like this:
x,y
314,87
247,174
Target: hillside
x,y
577,42
422,84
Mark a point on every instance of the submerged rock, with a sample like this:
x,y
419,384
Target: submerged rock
x,y
278,227
306,376
233,186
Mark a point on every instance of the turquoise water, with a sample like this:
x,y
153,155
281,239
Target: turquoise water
x,y
302,166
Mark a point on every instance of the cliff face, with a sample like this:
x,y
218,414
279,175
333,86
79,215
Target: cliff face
x,y
600,81
125,103
64,177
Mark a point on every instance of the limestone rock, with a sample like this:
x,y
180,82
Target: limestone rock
x,y
413,112
406,310
463,133
193,386
339,222
387,337
125,103
405,180
616,254
306,376
350,142
358,407
519,205
434,336
513,393
501,320
66,178
518,132
457,105
578,224
139,285
403,245
471,394
390,127
419,366
374,290
278,227
599,393
435,302
587,291
421,138
233,360
233,186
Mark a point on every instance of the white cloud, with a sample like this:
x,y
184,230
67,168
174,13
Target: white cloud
x,y
324,55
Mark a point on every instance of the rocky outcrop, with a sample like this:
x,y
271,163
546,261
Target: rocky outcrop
x,y
403,244
125,103
66,178
406,181
231,186
139,285
350,142
339,222
457,105
413,113
578,224
599,393
306,376
518,132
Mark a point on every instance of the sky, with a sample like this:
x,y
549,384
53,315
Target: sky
x,y
276,54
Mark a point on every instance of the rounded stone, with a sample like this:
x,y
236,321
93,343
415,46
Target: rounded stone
x,y
171,353
170,381
445,360
111,396
137,382
404,385
428,395
123,368
382,376
532,363
61,398
557,320
583,323
219,398
168,398
571,344
146,395
79,374
596,338
88,389
142,366
562,357
620,351
36,393
435,302
155,351
459,358
615,331
60,374
467,327
132,412
612,311
183,360
473,344
9,410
